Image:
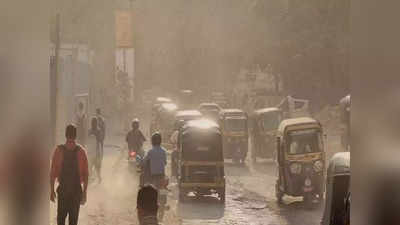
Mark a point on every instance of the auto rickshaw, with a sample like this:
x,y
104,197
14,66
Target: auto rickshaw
x,y
186,99
300,159
233,124
265,123
337,196
201,161
210,111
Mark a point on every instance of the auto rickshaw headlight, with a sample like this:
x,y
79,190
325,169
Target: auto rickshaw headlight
x,y
295,168
318,165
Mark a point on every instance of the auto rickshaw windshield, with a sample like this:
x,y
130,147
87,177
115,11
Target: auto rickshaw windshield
x,y
235,124
304,141
271,121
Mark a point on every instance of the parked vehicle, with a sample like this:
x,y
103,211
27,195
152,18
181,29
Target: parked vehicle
x,y
235,134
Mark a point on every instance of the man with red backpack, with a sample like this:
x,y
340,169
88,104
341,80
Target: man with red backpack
x,y
69,167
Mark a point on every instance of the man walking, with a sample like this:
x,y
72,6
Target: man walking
x,y
101,123
69,167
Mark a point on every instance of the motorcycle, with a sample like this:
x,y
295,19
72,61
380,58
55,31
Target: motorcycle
x,y
134,161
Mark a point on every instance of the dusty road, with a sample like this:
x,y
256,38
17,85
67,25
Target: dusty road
x,y
250,198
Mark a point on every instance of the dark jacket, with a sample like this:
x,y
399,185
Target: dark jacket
x,y
135,139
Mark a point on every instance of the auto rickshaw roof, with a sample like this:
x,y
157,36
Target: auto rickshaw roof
x,y
169,106
184,113
186,91
340,164
201,124
233,112
267,110
207,104
163,99
295,121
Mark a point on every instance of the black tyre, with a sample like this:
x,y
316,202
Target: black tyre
x,y
278,193
221,195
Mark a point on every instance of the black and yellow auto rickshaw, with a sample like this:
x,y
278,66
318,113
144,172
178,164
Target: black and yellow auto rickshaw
x,y
234,128
300,159
337,196
264,125
201,161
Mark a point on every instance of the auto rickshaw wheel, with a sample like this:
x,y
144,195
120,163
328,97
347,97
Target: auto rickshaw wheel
x,y
221,195
278,193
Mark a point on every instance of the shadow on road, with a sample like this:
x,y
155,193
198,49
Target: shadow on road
x,y
201,208
295,211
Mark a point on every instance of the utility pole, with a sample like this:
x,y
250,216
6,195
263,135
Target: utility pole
x,y
54,80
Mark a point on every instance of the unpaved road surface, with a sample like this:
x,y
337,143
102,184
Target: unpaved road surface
x,y
250,197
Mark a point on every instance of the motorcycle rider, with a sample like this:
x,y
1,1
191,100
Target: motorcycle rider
x,y
135,139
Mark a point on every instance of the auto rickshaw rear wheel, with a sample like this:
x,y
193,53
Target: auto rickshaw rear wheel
x,y
278,193
221,195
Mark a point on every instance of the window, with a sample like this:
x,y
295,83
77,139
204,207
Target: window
x,y
271,121
305,141
235,124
